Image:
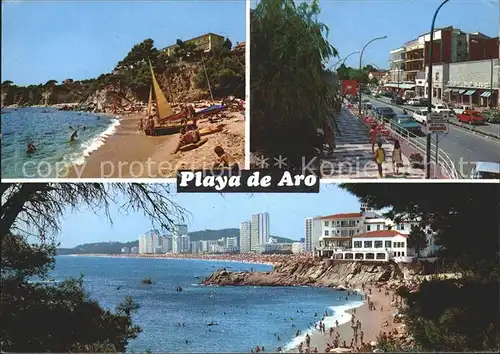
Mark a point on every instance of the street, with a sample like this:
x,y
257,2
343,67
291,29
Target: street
x,y
464,147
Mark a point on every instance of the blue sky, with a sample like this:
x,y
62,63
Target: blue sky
x,y
80,39
353,23
214,211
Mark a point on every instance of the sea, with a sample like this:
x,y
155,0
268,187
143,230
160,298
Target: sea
x,y
176,321
49,130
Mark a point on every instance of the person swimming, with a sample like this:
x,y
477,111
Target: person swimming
x,y
73,135
31,148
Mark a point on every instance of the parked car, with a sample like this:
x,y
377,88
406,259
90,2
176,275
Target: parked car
x,y
444,110
397,100
471,117
403,122
460,109
420,116
387,113
491,115
485,170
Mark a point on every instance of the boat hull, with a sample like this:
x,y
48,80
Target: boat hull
x,y
211,110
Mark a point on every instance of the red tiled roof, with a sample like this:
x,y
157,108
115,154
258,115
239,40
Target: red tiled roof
x,y
380,233
342,216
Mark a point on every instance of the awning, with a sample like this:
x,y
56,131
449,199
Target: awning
x,y
469,93
455,90
486,94
462,92
447,90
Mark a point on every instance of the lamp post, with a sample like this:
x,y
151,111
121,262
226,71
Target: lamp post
x,y
360,63
343,61
429,92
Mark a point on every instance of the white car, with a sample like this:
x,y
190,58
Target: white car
x,y
413,102
420,116
486,170
461,109
443,110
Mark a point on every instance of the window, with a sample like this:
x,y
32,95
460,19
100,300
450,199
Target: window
x,y
402,254
357,221
387,244
378,227
368,228
327,233
351,233
379,244
327,223
437,75
367,244
394,245
357,244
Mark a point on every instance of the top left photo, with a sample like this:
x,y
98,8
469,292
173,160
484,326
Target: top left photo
x,y
122,89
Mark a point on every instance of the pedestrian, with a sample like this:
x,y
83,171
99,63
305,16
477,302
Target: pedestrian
x,y
397,158
380,159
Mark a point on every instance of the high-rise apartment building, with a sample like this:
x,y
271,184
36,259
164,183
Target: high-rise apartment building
x,y
149,242
259,231
245,244
312,230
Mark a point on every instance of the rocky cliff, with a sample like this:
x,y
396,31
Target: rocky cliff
x,y
180,83
313,273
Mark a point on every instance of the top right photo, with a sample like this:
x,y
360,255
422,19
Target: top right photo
x,y
376,89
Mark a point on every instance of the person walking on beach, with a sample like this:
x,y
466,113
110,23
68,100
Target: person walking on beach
x,y
336,323
380,159
397,159
373,136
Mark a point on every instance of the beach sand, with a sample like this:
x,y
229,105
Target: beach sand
x,y
131,154
372,323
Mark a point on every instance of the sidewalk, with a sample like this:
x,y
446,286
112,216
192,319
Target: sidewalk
x,y
353,156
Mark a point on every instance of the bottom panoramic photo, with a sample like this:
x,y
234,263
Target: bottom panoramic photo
x,y
92,267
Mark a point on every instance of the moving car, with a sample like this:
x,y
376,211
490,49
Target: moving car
x,y
471,117
413,102
387,113
491,115
420,116
485,170
403,122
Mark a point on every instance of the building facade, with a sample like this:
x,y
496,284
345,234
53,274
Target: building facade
x,y
312,233
396,65
474,83
298,247
245,244
414,59
149,242
206,42
259,231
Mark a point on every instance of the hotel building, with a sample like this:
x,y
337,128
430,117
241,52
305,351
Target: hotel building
x,y
259,231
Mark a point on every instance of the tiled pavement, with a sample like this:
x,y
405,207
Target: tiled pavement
x,y
353,156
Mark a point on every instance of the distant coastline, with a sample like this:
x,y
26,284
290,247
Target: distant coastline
x,y
271,259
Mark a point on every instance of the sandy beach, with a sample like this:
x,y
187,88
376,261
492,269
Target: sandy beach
x,y
130,153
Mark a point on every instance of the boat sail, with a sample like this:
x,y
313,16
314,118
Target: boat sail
x,y
164,111
150,101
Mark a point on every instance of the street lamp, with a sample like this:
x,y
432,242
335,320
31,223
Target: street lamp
x,y
491,74
429,92
343,60
360,63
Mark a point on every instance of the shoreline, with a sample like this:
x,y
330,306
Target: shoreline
x,y
212,258
129,153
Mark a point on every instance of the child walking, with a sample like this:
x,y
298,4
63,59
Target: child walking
x,y
397,158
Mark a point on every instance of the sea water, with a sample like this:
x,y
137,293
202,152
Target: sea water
x,y
246,316
49,130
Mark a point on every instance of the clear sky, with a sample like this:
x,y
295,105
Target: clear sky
x,y
214,211
353,23
79,39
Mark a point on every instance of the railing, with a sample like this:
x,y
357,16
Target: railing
x,y
418,143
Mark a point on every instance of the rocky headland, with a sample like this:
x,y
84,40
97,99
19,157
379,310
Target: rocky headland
x,y
315,272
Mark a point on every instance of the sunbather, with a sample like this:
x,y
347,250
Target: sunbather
x,y
187,137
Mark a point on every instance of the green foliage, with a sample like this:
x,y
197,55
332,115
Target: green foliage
x,y
417,238
44,317
290,96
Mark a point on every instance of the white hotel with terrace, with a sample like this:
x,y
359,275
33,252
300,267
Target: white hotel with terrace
x,y
366,236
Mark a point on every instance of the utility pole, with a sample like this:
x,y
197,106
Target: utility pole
x,y
360,67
